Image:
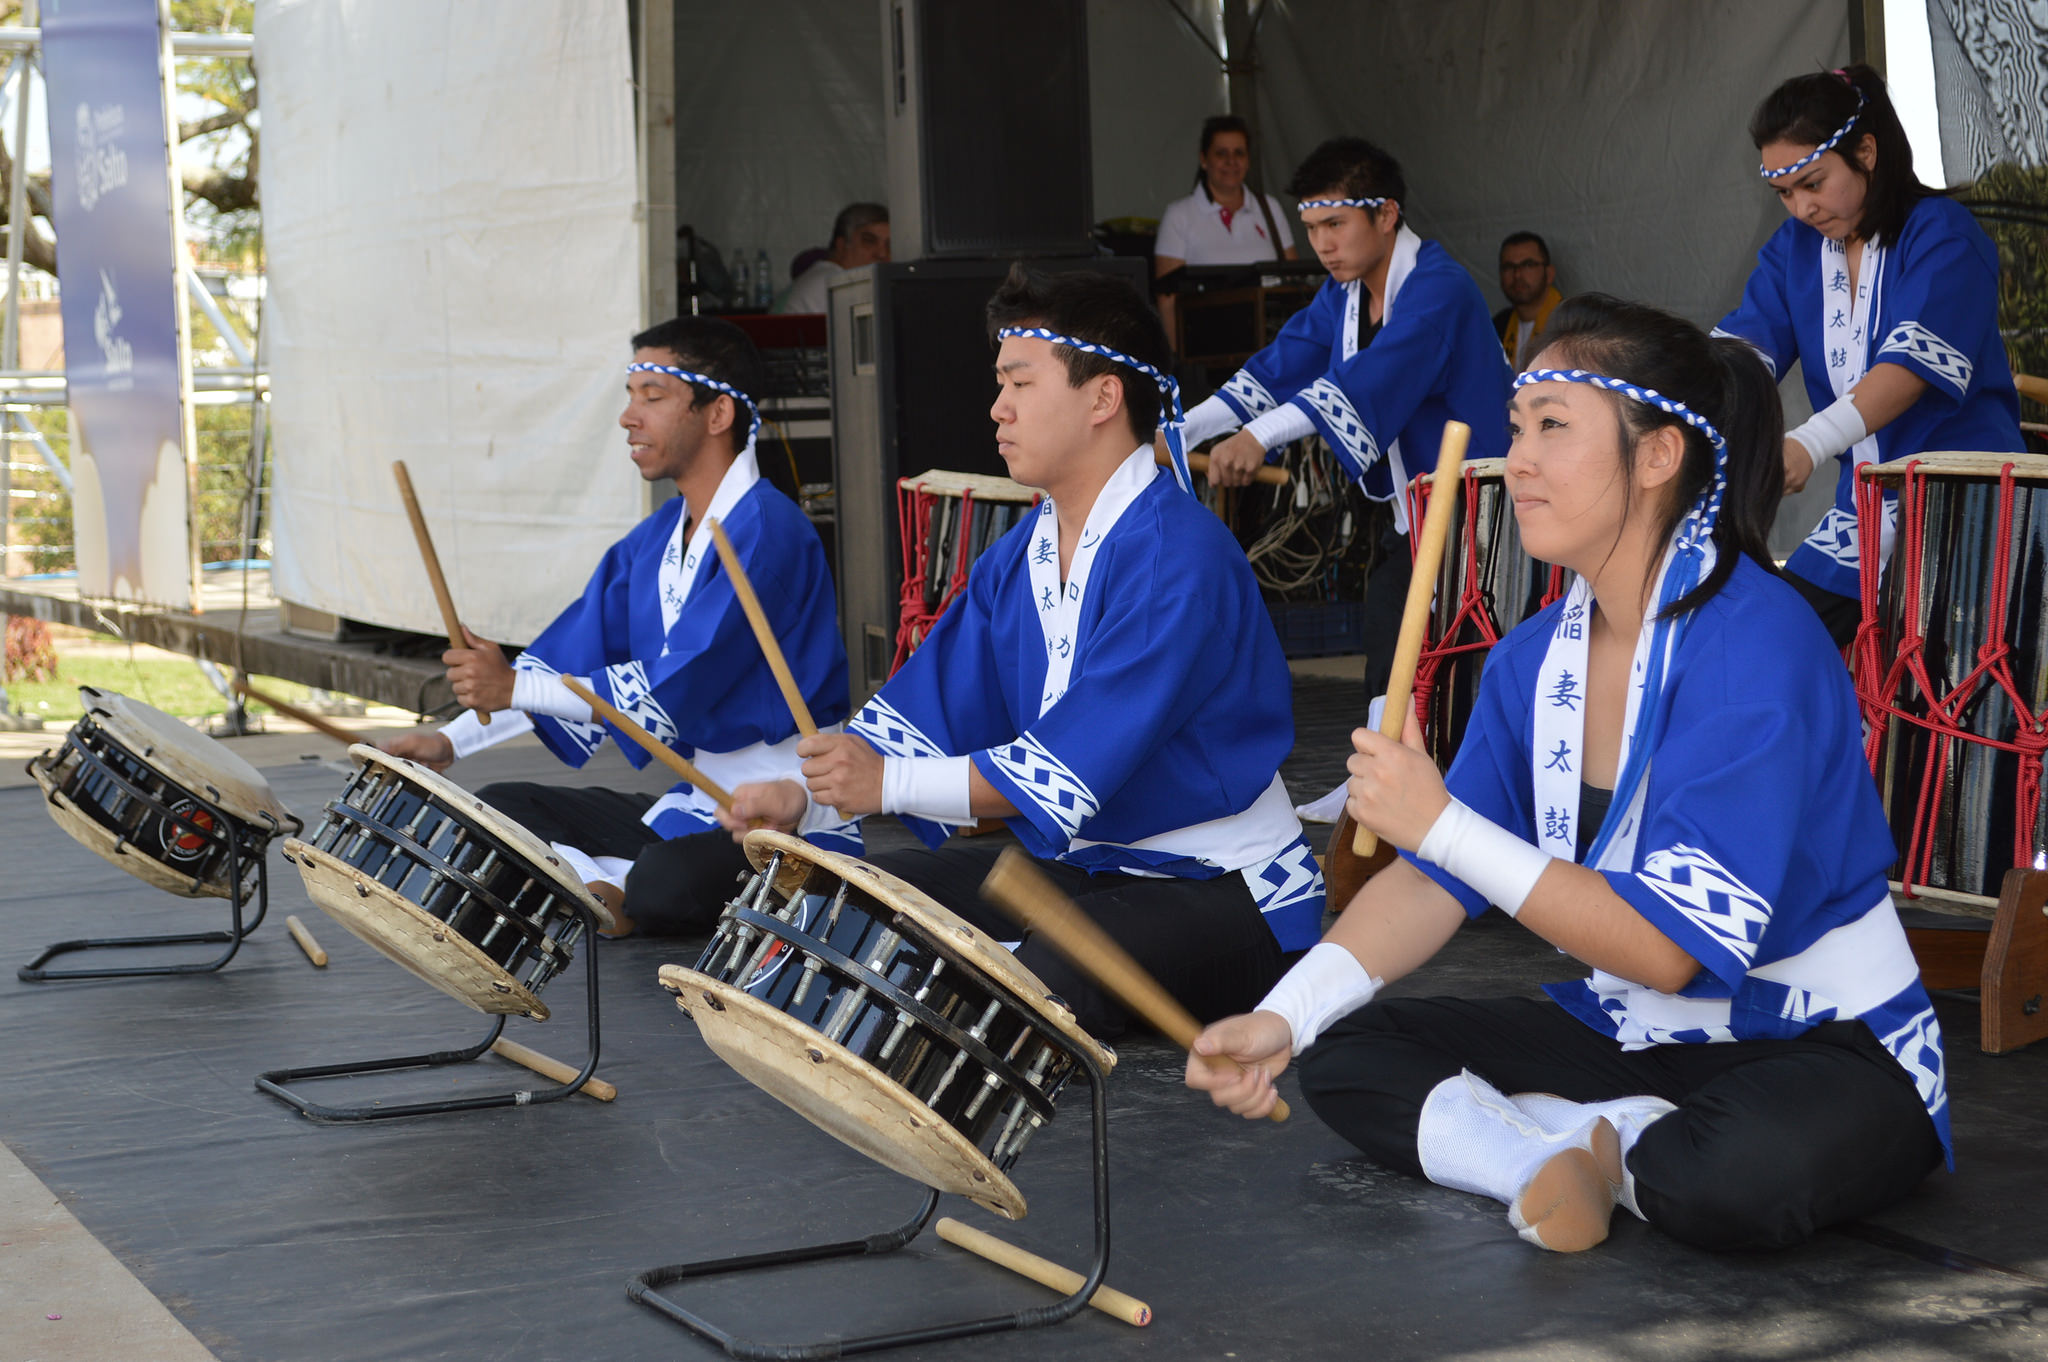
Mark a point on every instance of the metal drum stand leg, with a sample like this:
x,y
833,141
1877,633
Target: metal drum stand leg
x,y
223,829
274,1082
642,1287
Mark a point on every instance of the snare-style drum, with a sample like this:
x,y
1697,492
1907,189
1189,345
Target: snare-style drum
x,y
1488,584
883,1019
1951,666
141,788
446,886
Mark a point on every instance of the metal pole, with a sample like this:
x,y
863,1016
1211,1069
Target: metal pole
x,y
204,297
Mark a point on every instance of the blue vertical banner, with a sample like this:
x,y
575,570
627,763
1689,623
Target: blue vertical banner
x,y
105,63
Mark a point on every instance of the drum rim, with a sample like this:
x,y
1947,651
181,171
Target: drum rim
x,y
1001,1196
1961,463
101,840
971,946
462,803
250,803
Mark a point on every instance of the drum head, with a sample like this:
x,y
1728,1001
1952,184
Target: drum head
x,y
186,757
838,1092
109,845
426,946
1962,464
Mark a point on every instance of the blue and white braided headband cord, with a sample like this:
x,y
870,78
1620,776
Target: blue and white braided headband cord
x,y
705,380
1819,151
1171,417
1307,204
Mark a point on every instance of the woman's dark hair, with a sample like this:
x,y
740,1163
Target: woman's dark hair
x,y
1354,165
1806,111
1100,308
1722,379
1214,127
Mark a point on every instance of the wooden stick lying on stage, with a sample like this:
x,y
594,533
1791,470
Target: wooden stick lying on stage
x,y
1273,475
457,636
306,941
319,723
552,1068
751,603
656,748
1021,889
1429,556
1024,1263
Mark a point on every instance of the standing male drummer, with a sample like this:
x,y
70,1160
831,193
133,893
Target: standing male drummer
x,y
1109,684
660,634
1395,343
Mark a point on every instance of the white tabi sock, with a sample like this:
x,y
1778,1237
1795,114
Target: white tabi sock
x,y
1630,1117
1556,1185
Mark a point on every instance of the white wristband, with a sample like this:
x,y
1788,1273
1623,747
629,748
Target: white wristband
x,y
1279,426
1831,431
467,734
938,788
1485,855
1207,419
543,693
1324,985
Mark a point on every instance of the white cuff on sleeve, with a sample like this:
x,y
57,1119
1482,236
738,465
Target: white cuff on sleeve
x,y
1831,431
1485,855
466,735
1281,425
938,788
543,693
1210,417
1324,985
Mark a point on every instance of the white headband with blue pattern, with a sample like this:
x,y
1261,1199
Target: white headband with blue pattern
x,y
1307,204
1824,148
706,380
1170,414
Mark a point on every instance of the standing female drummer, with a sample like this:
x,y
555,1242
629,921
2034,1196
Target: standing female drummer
x,y
1664,778
1886,292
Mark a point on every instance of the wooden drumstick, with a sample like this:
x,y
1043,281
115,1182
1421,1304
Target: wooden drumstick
x,y
306,941
458,637
1020,889
552,1068
660,750
319,723
1429,556
751,603
1273,475
1024,1263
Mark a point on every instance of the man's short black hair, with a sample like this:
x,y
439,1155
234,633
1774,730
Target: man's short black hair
x,y
1101,308
855,216
715,348
1517,238
1354,165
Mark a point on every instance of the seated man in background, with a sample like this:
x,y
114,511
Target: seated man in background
x,y
1529,282
660,634
860,236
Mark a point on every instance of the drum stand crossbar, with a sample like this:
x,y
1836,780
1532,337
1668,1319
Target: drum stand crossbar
x,y
224,834
641,1288
274,1081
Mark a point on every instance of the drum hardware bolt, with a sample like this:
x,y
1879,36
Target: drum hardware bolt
x,y
989,1084
684,1008
915,1124
896,1035
713,1003
148,752
440,937
964,933
832,911
2031,1005
946,1078
884,944
930,979
803,986
500,986
362,890
849,1003
553,861
817,1055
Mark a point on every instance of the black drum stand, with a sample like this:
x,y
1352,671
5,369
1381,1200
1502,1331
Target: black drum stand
x,y
274,1081
642,1288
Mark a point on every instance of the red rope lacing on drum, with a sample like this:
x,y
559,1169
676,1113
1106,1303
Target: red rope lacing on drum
x,y
1877,683
1475,604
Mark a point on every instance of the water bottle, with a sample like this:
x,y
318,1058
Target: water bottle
x,y
764,282
740,281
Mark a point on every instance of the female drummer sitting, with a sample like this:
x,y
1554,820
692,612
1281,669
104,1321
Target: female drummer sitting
x,y
1663,778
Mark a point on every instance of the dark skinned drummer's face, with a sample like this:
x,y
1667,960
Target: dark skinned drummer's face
x,y
663,431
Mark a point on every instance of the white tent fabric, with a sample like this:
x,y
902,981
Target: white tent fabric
x,y
448,206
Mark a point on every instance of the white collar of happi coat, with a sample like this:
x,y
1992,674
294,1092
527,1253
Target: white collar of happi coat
x,y
1406,246
1058,606
1846,329
678,574
1557,756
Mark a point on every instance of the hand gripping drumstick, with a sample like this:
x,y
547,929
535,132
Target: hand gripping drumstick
x,y
457,636
319,723
1273,475
751,603
1024,1263
1020,889
660,750
1429,556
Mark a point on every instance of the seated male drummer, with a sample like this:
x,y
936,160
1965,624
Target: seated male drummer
x,y
660,634
1109,684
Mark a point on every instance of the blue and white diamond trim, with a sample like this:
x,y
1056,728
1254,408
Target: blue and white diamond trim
x,y
891,733
1340,422
633,695
1931,352
1247,396
1819,151
1732,914
1048,782
586,737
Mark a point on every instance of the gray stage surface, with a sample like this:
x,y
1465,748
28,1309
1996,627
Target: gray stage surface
x,y
510,1233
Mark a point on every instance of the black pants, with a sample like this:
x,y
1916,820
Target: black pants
x,y
1386,595
676,887
1841,614
1772,1139
1203,940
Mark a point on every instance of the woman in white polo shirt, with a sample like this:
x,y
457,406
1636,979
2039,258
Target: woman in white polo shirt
x,y
1220,224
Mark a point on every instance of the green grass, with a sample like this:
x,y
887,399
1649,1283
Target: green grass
x,y
173,685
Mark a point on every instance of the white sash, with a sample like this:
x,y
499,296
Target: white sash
x,y
1059,607
1846,342
677,576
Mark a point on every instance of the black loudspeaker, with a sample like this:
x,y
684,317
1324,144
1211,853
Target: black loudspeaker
x,y
988,128
912,381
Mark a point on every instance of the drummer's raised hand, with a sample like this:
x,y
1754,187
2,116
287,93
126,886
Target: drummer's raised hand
x,y
778,804
431,750
480,675
1260,1044
843,771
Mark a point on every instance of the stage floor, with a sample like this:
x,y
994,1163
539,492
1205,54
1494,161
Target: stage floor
x,y
510,1233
